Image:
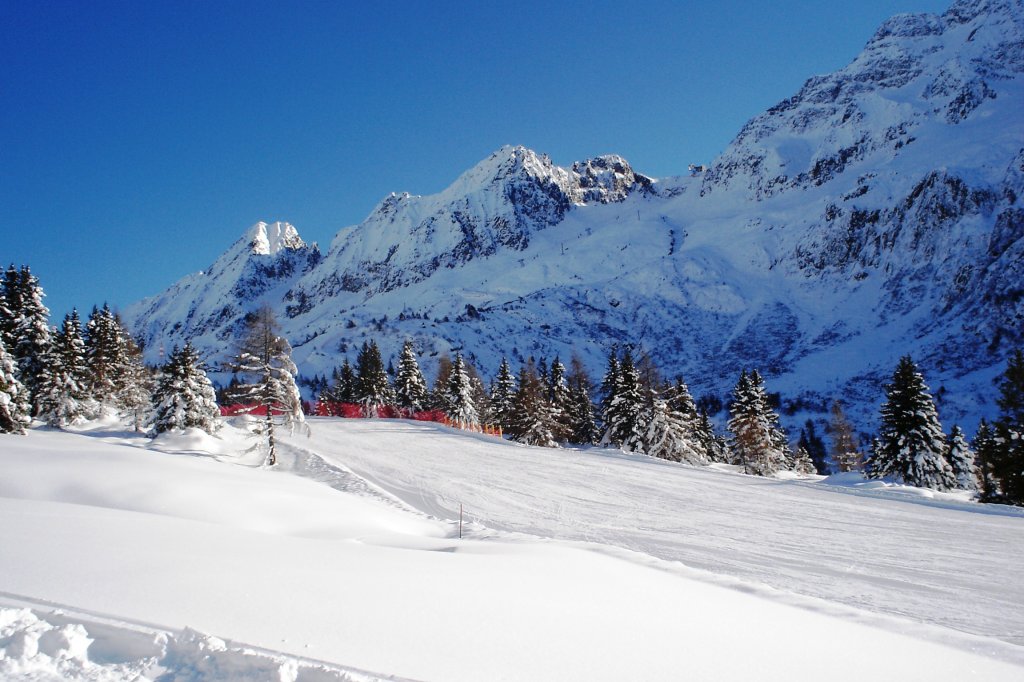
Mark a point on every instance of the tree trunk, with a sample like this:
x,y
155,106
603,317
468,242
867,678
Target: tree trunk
x,y
272,451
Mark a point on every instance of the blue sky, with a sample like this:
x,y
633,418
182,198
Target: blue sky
x,y
139,139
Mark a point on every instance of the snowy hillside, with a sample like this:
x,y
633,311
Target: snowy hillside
x,y
875,213
182,559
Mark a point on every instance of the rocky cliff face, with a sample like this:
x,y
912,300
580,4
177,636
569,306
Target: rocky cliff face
x,y
877,212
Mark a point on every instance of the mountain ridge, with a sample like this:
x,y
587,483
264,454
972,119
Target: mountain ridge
x,y
876,212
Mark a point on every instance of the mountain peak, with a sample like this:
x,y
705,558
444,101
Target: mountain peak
x,y
267,239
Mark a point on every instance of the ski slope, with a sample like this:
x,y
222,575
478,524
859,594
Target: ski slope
x,y
896,551
183,559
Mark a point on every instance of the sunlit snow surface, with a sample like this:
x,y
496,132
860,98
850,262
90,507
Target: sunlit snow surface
x,y
576,565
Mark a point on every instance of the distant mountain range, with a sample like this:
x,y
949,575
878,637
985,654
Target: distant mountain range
x,y
877,212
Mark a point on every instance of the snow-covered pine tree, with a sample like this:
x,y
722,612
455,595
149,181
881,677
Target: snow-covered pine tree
x,y
10,307
184,397
986,452
63,392
609,385
1008,466
134,384
264,361
757,442
670,433
580,410
845,453
532,421
31,335
105,350
503,390
372,388
626,419
14,405
410,386
461,408
911,445
344,388
802,463
558,399
961,458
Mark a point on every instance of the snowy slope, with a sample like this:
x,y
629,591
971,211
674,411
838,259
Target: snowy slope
x,y
312,572
875,213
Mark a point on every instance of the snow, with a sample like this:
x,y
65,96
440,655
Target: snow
x,y
183,557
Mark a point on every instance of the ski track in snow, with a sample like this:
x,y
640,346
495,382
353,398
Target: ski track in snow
x,y
935,563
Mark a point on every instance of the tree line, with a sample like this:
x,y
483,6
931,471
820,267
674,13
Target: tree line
x,y
78,371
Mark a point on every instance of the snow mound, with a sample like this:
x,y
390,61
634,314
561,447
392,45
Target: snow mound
x,y
35,646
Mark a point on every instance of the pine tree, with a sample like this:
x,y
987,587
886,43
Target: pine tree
x,y
461,408
961,460
532,421
503,390
911,444
758,442
558,399
1008,465
31,335
105,350
802,463
184,397
14,406
63,395
986,453
580,410
625,421
265,358
372,388
134,384
609,385
670,433
410,386
845,453
10,307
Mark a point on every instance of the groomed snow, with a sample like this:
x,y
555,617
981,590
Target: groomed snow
x,y
309,572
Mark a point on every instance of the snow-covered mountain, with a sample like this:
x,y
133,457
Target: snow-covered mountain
x,y
875,213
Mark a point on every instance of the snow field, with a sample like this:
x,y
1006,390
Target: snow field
x,y
310,563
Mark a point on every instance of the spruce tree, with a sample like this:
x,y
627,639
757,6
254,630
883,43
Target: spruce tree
x,y
134,384
31,334
758,442
14,405
10,307
961,460
63,394
670,433
184,397
461,407
438,398
410,386
264,359
609,385
503,390
104,342
1008,465
532,421
986,453
625,420
558,399
372,388
911,444
580,410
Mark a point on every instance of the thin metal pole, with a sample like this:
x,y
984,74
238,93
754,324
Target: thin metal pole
x,y
460,520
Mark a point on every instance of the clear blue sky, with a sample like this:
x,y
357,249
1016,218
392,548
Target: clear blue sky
x,y
139,139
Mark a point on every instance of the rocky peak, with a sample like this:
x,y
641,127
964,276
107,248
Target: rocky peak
x,y
267,239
